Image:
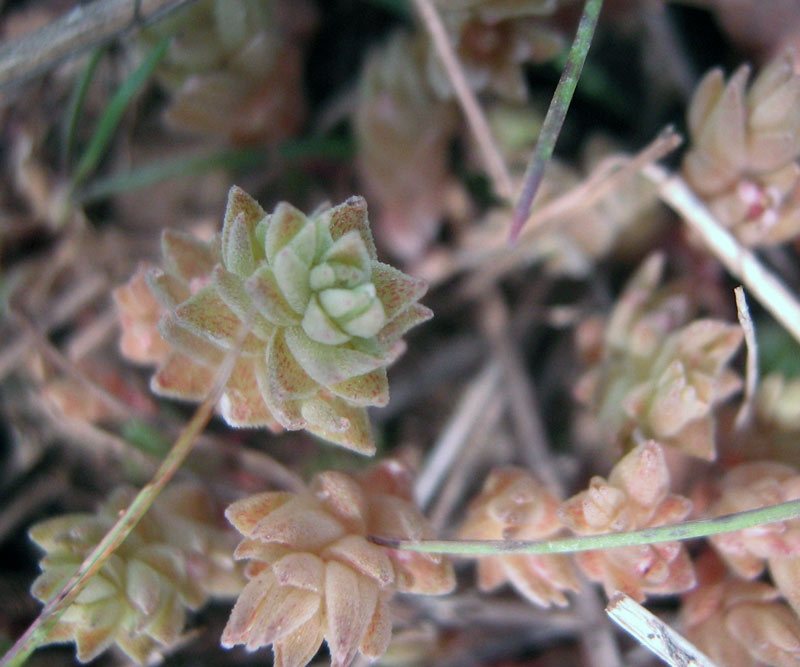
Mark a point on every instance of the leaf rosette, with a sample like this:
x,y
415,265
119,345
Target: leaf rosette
x,y
323,317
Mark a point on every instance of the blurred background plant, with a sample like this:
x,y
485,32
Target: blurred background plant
x,y
591,378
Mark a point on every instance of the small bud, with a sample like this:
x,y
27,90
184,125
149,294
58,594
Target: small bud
x,y
634,497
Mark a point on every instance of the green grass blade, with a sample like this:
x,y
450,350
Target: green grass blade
x,y
556,114
114,111
329,148
680,531
75,108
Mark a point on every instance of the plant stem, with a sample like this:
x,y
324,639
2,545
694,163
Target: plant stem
x,y
495,166
556,113
681,531
37,633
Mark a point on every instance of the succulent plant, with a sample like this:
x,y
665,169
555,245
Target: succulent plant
x,y
652,377
403,132
636,495
170,563
234,69
313,574
323,318
777,545
745,145
739,623
513,506
493,40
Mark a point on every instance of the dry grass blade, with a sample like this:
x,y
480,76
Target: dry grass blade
x,y
495,165
740,262
653,633
83,27
745,413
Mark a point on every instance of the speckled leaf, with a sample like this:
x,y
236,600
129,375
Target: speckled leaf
x,y
186,255
412,316
396,290
206,314
329,364
241,203
242,404
358,435
291,274
369,389
244,514
352,215
267,296
181,377
238,249
186,342
168,290
287,379
232,291
285,223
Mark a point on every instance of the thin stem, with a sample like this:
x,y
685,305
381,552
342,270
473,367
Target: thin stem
x,y
495,166
740,262
81,28
682,531
40,628
556,113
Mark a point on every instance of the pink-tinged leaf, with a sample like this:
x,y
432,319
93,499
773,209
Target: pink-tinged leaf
x,y
246,611
329,364
286,411
299,525
231,289
245,514
184,341
357,437
298,648
287,379
261,554
396,290
186,256
291,273
287,610
180,377
238,247
369,389
242,404
706,95
350,602
378,635
267,296
285,223
241,204
643,474
301,570
349,250
205,314
412,316
352,215
364,557
343,496
166,288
